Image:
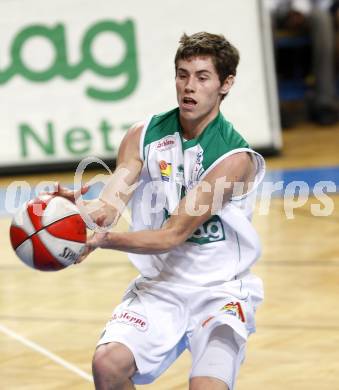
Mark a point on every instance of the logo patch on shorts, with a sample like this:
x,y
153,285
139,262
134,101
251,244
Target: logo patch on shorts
x,y
130,318
234,309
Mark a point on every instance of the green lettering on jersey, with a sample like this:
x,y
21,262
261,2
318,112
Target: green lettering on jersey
x,y
210,231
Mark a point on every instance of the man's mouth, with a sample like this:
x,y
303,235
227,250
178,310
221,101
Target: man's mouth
x,y
189,102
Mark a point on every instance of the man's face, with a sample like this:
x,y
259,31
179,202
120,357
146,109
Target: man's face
x,y
198,87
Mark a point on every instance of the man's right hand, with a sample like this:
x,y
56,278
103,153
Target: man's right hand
x,y
66,193
100,212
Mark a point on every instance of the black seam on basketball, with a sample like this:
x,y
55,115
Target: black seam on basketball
x,y
38,231
65,239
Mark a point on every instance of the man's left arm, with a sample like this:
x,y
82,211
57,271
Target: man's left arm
x,y
237,171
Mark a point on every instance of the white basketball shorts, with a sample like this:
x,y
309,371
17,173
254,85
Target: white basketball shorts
x,y
157,321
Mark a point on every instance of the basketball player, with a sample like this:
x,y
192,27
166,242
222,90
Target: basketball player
x,y
194,252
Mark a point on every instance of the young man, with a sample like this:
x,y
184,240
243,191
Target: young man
x,y
195,250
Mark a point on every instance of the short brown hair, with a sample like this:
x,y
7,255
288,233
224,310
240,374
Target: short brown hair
x,y
224,55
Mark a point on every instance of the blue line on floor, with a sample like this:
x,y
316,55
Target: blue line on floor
x,y
310,180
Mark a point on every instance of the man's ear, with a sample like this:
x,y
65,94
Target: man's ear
x,y
227,84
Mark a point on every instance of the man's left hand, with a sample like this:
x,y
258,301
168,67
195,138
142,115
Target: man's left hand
x,y
96,240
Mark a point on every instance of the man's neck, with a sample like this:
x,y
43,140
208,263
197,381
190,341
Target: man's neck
x,y
192,129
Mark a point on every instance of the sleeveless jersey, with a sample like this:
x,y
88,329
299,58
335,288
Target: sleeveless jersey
x,y
224,247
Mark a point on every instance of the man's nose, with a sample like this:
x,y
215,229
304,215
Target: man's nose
x,y
190,85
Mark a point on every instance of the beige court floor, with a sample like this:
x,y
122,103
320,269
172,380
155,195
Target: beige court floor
x,y
295,346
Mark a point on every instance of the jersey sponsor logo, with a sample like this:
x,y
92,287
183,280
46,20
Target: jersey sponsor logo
x,y
234,309
130,318
197,170
199,158
165,170
211,231
166,143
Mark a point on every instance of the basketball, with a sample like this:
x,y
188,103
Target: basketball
x,y
48,233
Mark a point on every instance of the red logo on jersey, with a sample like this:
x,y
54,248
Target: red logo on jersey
x,y
166,143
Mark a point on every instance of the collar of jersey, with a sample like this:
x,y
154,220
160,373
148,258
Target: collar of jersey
x,y
194,141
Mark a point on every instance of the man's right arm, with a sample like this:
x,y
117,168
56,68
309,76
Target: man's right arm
x,y
120,186
108,207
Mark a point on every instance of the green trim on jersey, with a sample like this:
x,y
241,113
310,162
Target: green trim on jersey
x,y
217,139
161,125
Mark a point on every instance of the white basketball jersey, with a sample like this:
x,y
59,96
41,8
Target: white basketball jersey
x,y
222,249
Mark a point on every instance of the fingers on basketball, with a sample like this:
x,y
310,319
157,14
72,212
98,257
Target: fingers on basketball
x,y
66,193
